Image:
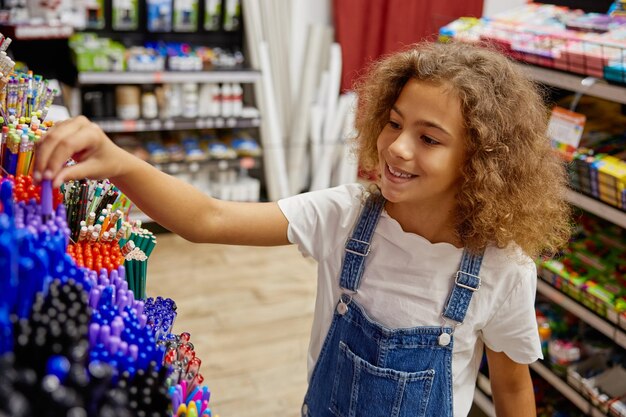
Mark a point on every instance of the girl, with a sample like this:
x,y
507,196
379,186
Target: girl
x,y
418,274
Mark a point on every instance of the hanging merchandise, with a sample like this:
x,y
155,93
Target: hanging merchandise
x,y
185,15
159,15
125,15
212,14
232,15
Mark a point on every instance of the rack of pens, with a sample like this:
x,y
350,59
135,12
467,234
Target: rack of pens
x,y
101,238
75,338
24,104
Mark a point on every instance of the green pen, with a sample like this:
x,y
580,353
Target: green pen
x,y
96,198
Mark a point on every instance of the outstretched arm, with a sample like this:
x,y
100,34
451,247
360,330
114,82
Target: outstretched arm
x,y
511,386
171,202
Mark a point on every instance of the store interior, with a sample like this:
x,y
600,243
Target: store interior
x,y
252,101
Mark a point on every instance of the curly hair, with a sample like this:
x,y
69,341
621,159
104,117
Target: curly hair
x,y
513,185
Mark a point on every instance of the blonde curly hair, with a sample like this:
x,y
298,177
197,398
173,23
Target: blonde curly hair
x,y
513,185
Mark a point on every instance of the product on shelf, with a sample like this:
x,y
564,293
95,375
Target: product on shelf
x,y
555,37
94,53
590,363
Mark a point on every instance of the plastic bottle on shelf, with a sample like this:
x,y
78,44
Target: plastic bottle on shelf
x,y
127,99
227,100
204,100
149,107
216,101
237,100
174,100
190,100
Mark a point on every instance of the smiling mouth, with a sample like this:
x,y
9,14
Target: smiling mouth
x,y
399,173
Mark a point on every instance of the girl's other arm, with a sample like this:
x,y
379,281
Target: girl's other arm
x,y
172,203
511,386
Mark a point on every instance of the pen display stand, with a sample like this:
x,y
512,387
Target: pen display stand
x,y
77,338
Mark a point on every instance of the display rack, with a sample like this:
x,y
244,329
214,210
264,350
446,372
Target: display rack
x,y
482,400
579,84
128,77
600,209
564,388
212,164
613,330
154,125
29,32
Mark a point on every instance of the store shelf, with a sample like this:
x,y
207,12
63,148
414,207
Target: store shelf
x,y
612,214
564,388
484,403
116,125
36,32
609,329
575,83
174,168
217,76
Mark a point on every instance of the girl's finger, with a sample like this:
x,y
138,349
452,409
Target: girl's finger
x,y
56,150
62,134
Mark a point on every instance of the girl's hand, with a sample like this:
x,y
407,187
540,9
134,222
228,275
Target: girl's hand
x,y
96,156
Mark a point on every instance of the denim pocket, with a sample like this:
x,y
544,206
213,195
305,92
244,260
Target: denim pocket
x,y
362,389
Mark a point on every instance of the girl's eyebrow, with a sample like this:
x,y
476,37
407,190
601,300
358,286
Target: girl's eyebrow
x,y
426,123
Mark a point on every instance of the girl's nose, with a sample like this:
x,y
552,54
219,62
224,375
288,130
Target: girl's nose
x,y
402,146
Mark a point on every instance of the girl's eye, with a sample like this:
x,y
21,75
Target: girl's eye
x,y
394,125
430,141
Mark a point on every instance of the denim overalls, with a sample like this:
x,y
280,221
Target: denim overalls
x,y
368,370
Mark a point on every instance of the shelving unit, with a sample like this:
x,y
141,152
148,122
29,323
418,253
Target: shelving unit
x,y
598,208
154,125
599,88
564,388
212,164
482,400
611,328
215,76
29,32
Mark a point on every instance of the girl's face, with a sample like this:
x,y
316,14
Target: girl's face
x,y
421,149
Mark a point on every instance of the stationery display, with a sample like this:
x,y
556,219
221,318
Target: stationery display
x,y
77,334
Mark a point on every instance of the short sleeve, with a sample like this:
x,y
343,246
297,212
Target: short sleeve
x,y
320,220
513,328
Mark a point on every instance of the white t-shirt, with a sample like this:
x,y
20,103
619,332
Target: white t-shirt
x,y
407,280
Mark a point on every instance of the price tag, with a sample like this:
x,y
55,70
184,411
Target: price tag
x,y
158,77
200,123
169,124
210,123
219,122
173,168
231,122
155,124
222,165
194,167
256,122
129,125
565,130
247,162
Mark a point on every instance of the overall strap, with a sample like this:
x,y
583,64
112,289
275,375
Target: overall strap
x,y
358,245
466,282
